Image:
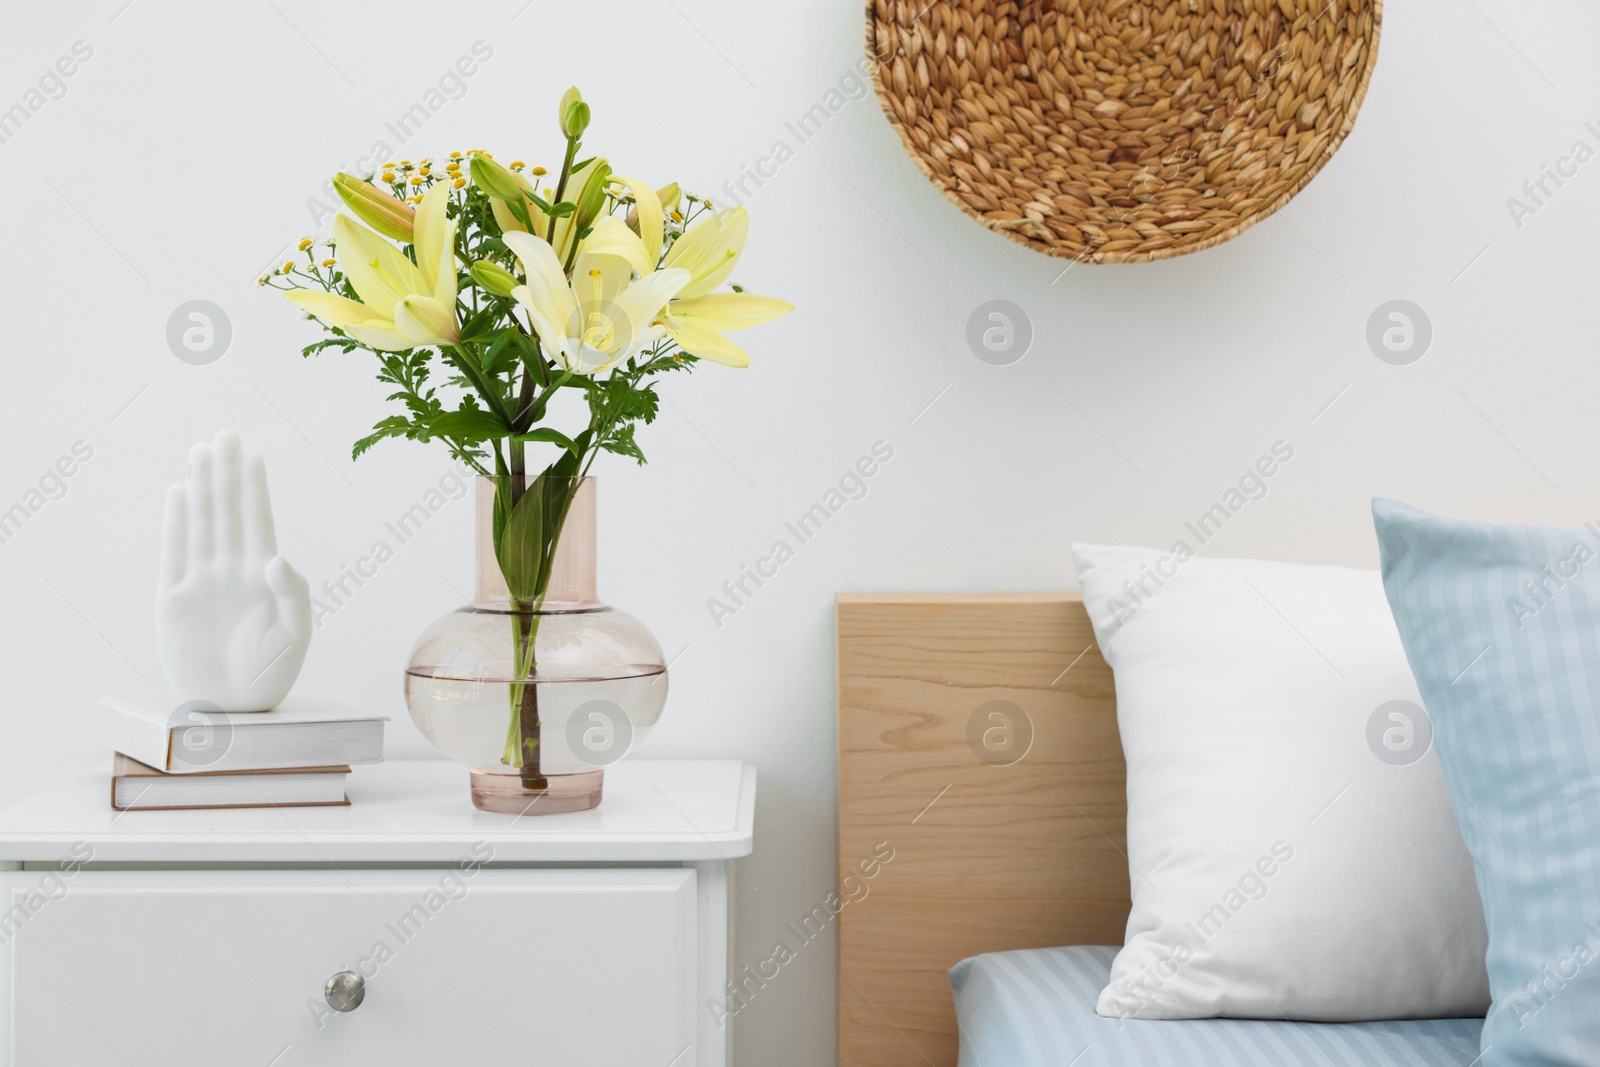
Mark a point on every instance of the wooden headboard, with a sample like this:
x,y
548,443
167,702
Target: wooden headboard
x,y
999,841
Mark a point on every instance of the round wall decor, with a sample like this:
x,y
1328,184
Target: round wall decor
x,y
1120,131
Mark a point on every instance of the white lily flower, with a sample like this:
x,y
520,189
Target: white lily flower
x,y
602,316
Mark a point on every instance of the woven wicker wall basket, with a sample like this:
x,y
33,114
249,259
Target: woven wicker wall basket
x,y
1120,131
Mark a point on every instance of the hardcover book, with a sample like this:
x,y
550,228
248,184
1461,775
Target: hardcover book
x,y
136,786
189,738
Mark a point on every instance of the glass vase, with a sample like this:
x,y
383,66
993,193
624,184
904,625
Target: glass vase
x,y
536,686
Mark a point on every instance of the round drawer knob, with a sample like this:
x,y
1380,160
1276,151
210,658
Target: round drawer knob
x,y
345,991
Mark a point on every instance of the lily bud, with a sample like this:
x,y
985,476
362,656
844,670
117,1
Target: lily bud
x,y
573,114
494,179
389,215
670,196
493,277
590,197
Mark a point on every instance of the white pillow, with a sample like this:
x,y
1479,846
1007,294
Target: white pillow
x,y
1291,856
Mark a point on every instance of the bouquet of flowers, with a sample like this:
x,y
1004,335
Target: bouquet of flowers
x,y
502,286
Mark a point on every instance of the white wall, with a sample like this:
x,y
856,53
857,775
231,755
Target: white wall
x,y
179,162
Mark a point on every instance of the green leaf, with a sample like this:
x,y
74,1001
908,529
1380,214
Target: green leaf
x,y
480,326
520,549
340,342
623,444
537,413
519,211
501,352
549,436
528,348
621,401
567,466
502,510
563,209
393,426
468,424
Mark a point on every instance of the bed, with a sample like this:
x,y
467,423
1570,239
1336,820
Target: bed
x,y
981,812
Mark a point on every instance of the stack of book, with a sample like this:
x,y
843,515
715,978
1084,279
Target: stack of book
x,y
297,755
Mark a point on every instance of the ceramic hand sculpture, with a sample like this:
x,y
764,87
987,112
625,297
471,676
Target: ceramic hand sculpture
x,y
233,618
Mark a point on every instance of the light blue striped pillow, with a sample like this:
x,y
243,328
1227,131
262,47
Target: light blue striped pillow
x,y
1501,625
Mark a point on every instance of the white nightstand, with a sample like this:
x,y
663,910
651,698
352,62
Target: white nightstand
x,y
206,937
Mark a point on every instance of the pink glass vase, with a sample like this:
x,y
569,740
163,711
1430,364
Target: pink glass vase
x,y
537,694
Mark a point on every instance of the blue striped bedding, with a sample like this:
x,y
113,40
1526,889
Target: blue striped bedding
x,y
1035,1008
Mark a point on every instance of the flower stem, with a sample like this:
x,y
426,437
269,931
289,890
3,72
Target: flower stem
x,y
469,368
524,727
561,188
524,743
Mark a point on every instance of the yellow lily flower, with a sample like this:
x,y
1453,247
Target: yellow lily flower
x,y
648,216
602,316
611,237
697,317
697,324
403,304
709,249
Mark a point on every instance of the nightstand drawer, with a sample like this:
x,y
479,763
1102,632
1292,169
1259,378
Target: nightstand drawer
x,y
543,966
